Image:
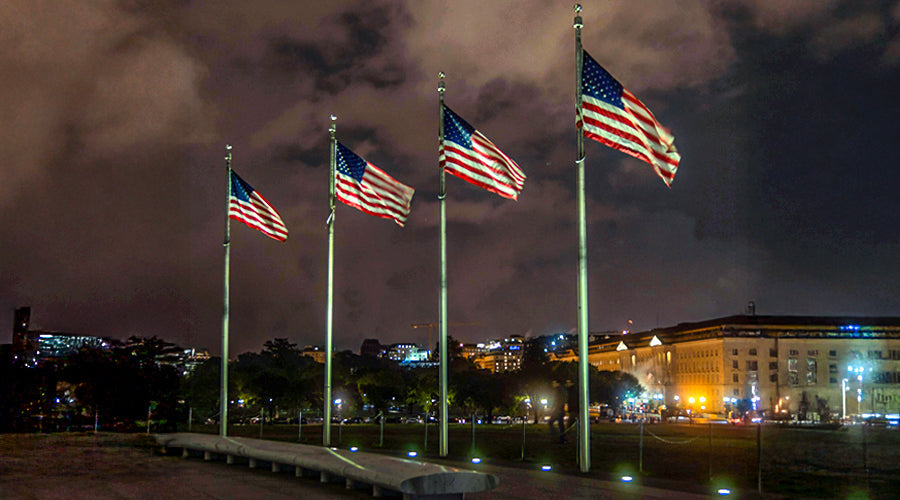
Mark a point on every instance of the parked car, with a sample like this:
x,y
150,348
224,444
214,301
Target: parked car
x,y
710,418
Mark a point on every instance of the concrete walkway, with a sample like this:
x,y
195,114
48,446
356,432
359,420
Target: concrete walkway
x,y
112,467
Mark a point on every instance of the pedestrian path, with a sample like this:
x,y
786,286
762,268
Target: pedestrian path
x,y
522,483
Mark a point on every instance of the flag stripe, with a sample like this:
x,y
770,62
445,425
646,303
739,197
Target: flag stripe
x,y
463,164
248,206
600,117
613,116
469,155
377,193
640,139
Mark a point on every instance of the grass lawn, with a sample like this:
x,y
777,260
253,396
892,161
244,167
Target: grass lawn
x,y
851,462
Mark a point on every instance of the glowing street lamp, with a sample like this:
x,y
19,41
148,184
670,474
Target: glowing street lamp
x,y
843,399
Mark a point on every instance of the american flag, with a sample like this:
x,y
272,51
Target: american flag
x,y
469,155
615,117
362,185
247,206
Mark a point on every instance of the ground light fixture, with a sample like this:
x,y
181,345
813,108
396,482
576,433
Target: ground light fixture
x,y
627,479
476,460
412,454
546,468
354,449
723,492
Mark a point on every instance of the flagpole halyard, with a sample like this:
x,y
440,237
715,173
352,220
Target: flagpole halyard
x,y
584,438
326,421
223,388
442,306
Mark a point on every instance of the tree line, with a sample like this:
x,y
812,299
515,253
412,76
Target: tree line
x,y
121,386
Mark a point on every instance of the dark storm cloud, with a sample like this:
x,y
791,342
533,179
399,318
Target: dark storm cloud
x,y
115,117
342,58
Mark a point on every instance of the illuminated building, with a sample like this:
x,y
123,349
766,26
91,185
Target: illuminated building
x,y
775,364
314,352
408,353
502,356
184,360
471,351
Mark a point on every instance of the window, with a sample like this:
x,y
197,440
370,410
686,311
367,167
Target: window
x,y
812,353
734,352
736,392
794,352
832,353
773,378
811,372
736,378
832,368
751,366
773,353
773,365
793,376
734,364
832,380
753,352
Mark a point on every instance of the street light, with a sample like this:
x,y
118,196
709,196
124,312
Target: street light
x,y
859,371
844,399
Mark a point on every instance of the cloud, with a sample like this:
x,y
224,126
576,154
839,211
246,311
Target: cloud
x,y
115,116
785,15
846,33
669,44
85,78
147,92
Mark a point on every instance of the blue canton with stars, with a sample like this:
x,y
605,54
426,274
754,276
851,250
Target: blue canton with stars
x,y
240,189
349,164
456,129
599,84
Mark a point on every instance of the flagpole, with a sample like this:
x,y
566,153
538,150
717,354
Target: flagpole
x,y
584,425
326,421
223,388
442,307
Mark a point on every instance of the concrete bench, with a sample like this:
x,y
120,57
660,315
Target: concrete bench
x,y
411,478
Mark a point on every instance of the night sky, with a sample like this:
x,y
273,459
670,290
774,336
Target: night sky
x,y
114,116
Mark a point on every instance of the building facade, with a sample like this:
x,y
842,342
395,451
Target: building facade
x,y
776,365
34,347
315,352
371,347
408,353
501,355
